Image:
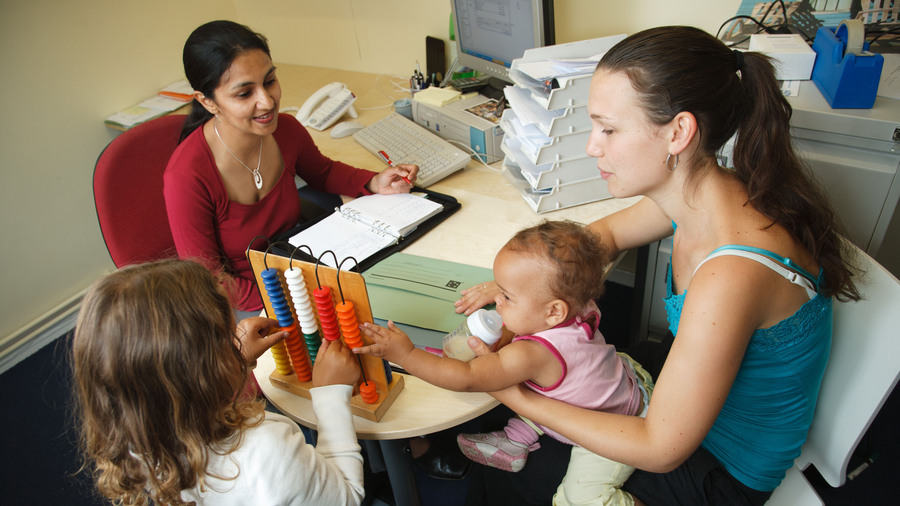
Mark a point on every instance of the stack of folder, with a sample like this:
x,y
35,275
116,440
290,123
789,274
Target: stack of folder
x,y
547,125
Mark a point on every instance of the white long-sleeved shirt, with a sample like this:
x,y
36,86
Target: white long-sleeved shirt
x,y
275,465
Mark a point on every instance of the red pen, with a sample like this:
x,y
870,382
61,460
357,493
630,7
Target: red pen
x,y
388,161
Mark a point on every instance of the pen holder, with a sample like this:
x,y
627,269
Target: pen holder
x,y
352,289
845,72
404,107
417,83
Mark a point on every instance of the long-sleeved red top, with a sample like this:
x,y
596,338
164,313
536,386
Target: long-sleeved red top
x,y
208,227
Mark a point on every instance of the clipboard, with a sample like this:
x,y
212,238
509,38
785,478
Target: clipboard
x,y
280,244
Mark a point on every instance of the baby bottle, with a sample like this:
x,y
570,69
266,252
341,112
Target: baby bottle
x,y
483,324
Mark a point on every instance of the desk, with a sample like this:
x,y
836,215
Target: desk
x,y
492,211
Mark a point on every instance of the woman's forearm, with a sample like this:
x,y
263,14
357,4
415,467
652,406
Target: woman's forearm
x,y
625,439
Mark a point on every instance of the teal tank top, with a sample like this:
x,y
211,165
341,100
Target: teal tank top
x,y
764,421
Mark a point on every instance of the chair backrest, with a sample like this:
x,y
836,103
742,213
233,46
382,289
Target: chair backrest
x,y
862,370
128,192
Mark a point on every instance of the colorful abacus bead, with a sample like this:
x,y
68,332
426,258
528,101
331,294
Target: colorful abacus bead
x,y
312,345
275,292
327,317
369,392
282,360
388,374
276,297
349,325
303,307
296,349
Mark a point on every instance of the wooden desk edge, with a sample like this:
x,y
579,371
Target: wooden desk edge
x,y
471,406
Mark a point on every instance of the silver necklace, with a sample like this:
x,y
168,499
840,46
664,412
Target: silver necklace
x,y
257,178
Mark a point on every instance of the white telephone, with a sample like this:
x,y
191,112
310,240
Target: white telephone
x,y
326,106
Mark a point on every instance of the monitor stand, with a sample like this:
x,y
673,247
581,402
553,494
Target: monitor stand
x,y
494,88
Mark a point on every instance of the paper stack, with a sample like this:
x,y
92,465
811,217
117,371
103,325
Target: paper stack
x,y
167,100
437,97
547,125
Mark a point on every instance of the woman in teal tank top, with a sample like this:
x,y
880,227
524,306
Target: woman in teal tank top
x,y
736,395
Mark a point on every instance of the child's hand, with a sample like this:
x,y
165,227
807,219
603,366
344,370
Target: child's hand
x,y
253,338
479,347
390,343
334,365
477,297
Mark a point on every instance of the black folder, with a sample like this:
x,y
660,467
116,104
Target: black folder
x,y
280,245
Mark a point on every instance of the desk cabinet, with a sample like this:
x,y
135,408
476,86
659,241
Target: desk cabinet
x,y
855,153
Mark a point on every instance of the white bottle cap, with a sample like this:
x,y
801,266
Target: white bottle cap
x,y
485,325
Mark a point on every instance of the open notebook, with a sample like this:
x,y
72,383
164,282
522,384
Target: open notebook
x,y
366,225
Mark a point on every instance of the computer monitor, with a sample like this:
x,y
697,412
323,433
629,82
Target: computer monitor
x,y
490,34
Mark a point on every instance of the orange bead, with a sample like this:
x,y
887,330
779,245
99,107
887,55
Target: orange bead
x,y
368,391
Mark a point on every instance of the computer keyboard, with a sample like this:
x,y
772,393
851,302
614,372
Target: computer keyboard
x,y
406,142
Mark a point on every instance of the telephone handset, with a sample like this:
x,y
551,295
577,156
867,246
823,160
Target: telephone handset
x,y
326,106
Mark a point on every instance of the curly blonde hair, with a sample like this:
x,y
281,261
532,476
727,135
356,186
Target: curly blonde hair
x,y
158,377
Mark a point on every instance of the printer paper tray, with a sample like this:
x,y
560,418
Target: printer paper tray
x,y
551,123
557,197
550,174
556,149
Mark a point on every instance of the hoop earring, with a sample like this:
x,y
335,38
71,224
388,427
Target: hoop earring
x,y
672,168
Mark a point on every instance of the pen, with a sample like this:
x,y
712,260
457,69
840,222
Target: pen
x,y
384,156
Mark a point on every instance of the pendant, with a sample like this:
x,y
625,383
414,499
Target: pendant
x,y
257,178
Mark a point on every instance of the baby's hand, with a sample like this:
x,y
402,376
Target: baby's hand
x,y
476,297
389,343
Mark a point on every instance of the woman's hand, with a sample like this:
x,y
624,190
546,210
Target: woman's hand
x,y
335,365
477,297
390,343
254,336
393,179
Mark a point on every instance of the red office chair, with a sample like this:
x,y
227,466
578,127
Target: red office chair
x,y
128,192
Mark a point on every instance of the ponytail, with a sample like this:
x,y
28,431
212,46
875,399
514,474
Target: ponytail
x,y
196,118
778,182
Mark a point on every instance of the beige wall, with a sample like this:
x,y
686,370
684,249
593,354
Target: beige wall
x,y
69,64
372,38
66,66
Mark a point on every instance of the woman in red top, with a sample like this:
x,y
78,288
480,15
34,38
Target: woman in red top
x,y
232,177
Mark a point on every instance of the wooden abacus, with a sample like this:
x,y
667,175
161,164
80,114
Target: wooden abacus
x,y
293,359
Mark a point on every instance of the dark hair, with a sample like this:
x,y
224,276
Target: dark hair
x,y
208,52
578,257
157,375
681,68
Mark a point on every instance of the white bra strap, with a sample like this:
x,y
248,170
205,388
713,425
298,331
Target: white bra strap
x,y
788,274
